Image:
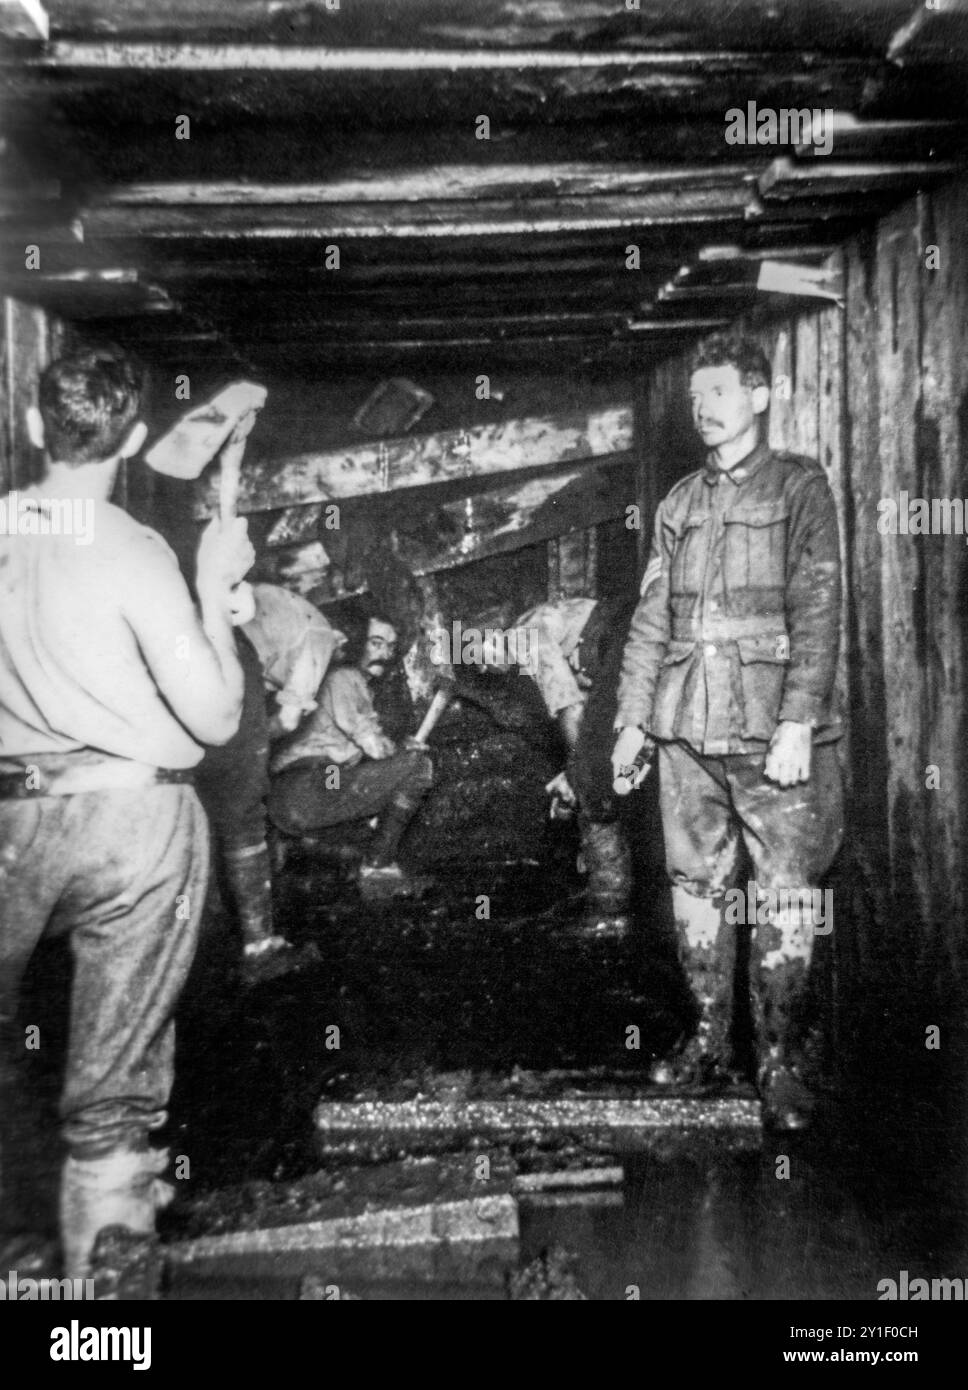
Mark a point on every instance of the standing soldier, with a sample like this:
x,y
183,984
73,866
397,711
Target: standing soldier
x,y
730,667
110,682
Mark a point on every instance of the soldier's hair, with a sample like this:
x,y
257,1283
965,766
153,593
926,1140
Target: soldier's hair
x,y
88,401
734,350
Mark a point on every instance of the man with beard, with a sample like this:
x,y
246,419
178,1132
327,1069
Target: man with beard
x,y
340,768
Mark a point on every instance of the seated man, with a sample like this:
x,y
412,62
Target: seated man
x,y
340,767
284,645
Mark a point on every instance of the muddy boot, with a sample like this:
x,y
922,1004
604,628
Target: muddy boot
x,y
249,886
382,882
119,1189
780,968
707,953
608,889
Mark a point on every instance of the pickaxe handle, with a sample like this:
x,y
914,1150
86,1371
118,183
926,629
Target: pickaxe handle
x,y
228,484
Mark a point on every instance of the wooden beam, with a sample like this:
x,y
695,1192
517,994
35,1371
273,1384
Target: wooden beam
x,y
84,296
462,182
792,178
332,222
854,138
361,469
169,58
484,525
23,19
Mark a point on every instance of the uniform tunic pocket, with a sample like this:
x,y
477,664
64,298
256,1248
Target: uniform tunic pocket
x,y
756,546
689,559
763,662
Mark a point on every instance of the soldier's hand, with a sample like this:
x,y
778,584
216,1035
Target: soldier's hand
x,y
626,749
788,756
561,787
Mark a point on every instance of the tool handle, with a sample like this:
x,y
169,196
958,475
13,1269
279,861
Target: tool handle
x,y
228,484
437,706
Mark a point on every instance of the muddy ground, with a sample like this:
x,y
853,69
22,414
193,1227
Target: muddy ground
x,y
435,1000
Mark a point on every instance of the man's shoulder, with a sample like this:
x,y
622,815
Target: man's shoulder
x,y
795,465
118,528
681,492
345,678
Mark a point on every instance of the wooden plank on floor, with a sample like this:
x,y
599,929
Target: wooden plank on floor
x,y
434,1223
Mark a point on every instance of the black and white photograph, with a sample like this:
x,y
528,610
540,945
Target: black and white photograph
x,y
484,663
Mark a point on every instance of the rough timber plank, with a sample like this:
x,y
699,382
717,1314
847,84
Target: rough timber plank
x,y
435,1223
361,469
423,1125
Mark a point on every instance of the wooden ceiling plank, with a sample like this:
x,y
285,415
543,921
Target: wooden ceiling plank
x,y
445,183
426,220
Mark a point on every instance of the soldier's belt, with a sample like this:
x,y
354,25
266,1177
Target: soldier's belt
x,y
60,777
725,630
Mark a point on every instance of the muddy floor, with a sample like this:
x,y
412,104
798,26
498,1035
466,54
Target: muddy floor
x,y
445,1000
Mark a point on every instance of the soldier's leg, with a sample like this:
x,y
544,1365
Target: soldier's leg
x,y
132,909
792,834
702,849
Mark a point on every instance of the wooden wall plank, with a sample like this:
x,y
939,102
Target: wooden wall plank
x,y
902,595
942,443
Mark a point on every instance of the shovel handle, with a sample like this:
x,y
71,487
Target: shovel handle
x,y
228,485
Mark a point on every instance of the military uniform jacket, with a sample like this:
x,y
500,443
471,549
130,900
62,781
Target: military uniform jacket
x,y
738,623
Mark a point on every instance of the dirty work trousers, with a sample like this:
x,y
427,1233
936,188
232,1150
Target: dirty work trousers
x,y
711,806
233,784
301,802
123,875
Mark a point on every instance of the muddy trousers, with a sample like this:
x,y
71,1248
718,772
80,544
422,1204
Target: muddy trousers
x,y
314,795
233,784
710,808
123,875
608,863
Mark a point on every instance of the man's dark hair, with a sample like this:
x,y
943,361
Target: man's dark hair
x,y
88,402
734,350
356,625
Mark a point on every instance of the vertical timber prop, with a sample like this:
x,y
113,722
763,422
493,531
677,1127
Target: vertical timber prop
x,y
26,350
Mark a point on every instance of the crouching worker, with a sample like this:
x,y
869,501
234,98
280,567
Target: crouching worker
x,y
572,650
110,682
284,645
340,767
730,667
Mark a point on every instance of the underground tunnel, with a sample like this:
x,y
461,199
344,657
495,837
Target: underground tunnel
x,y
584,391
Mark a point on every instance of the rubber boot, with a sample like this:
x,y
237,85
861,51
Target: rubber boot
x,y
778,979
380,877
248,883
121,1188
608,888
707,953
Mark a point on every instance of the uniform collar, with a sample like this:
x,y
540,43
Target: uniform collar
x,y
739,472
